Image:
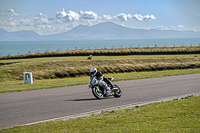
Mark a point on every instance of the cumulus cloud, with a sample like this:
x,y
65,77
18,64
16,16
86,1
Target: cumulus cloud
x,y
148,17
8,13
61,14
123,17
40,19
62,21
106,17
70,16
88,15
138,17
12,12
92,16
73,16
41,15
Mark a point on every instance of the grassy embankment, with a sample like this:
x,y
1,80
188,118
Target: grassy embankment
x,y
48,71
112,52
176,115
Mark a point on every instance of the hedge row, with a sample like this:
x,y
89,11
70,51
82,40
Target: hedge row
x,y
111,52
121,70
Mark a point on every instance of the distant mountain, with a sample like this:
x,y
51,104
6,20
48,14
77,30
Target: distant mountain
x,y
107,30
19,36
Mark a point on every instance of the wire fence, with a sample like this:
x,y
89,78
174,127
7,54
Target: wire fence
x,y
64,48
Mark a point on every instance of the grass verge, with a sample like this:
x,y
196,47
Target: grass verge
x,y
171,116
59,67
13,86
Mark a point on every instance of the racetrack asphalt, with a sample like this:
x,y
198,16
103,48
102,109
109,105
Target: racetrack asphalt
x,y
19,108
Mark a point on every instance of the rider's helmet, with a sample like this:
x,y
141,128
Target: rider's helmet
x,y
93,71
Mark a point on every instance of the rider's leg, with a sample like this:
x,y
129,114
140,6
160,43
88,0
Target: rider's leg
x,y
107,90
108,82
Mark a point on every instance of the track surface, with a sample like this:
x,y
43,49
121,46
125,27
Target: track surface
x,y
20,108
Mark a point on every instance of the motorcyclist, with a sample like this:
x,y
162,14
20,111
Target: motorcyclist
x,y
101,80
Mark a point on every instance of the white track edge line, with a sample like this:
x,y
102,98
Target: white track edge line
x,y
112,108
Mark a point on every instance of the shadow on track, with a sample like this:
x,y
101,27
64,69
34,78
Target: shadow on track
x,y
88,99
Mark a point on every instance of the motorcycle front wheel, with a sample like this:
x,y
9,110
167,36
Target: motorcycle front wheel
x,y
117,93
97,93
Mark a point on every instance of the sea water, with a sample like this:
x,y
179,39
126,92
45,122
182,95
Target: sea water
x,y
25,47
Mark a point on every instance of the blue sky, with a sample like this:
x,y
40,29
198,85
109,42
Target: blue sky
x,y
57,16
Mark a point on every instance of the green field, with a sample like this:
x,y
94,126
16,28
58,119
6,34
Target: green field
x,y
176,116
18,85
73,69
55,67
49,72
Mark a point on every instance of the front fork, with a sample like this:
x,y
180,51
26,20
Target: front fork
x,y
97,88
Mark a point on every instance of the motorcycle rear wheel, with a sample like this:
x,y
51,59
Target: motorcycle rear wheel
x,y
118,93
97,93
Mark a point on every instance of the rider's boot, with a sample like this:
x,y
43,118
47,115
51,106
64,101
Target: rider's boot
x,y
108,92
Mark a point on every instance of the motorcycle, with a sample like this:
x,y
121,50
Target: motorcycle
x,y
98,91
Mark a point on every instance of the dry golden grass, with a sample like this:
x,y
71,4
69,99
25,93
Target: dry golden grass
x,y
45,68
115,52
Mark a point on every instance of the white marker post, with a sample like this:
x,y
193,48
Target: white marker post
x,y
28,78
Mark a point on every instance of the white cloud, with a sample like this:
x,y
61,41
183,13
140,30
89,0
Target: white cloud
x,y
8,13
12,12
73,16
148,17
61,14
138,17
88,15
106,17
70,16
62,22
91,16
123,17
161,27
179,27
41,15
40,19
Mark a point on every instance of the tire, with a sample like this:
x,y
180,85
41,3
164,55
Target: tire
x,y
118,93
97,94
